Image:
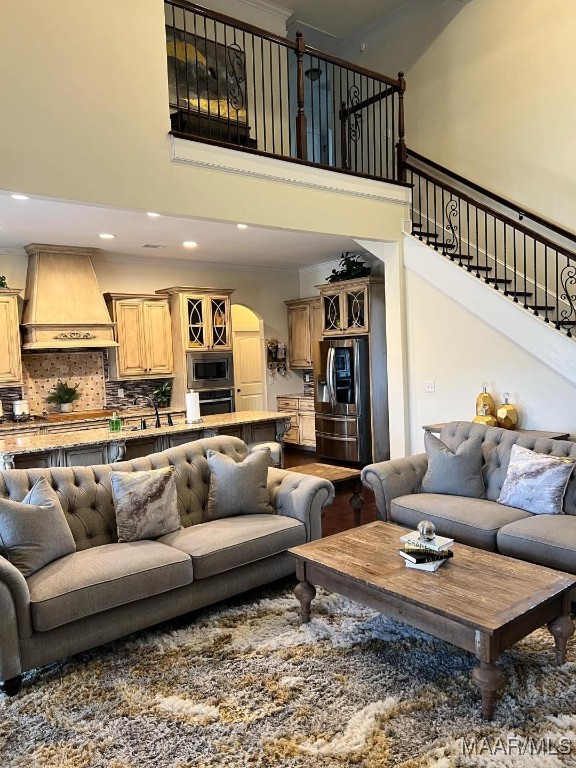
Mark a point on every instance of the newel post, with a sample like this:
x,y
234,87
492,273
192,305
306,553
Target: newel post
x,y
301,127
401,146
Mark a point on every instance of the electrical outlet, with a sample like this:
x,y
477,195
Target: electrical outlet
x,y
120,392
430,386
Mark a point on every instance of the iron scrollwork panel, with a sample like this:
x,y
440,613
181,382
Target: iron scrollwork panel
x,y
451,215
568,315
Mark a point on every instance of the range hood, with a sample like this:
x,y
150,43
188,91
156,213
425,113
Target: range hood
x,y
63,306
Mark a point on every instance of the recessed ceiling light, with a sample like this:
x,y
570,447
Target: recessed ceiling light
x,y
242,226
20,197
189,244
153,215
105,236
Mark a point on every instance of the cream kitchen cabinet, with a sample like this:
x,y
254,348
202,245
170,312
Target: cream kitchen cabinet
x,y
10,364
144,335
207,321
347,306
302,430
304,330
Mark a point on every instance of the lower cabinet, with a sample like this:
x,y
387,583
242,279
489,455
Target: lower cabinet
x,y
302,430
135,449
85,457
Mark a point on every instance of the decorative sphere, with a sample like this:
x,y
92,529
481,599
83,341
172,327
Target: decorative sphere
x,y
426,530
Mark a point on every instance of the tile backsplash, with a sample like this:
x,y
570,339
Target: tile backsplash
x,y
41,372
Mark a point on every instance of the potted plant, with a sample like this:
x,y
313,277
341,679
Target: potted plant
x,y
351,267
161,395
64,396
3,283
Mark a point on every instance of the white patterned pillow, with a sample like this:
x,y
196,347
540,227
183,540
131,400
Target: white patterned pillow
x,y
145,503
535,482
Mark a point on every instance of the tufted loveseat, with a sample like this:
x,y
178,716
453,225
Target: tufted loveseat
x,y
107,589
548,540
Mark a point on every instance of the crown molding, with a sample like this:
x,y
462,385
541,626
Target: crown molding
x,y
12,250
271,8
271,169
216,266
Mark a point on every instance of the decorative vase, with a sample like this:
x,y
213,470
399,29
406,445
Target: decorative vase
x,y
507,414
485,399
66,407
485,418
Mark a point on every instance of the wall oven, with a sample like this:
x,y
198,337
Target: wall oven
x,y
210,370
214,401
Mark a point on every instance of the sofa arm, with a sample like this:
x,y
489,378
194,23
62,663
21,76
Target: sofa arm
x,y
16,622
390,479
302,497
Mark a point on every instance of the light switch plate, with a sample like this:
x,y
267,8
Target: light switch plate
x,y
430,386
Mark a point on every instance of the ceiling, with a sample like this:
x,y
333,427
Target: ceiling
x,y
58,223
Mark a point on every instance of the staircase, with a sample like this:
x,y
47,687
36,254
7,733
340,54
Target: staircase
x,y
533,264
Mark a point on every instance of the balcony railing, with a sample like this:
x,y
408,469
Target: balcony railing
x,y
237,85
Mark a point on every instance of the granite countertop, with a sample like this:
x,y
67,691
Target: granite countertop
x,y
301,395
38,420
37,443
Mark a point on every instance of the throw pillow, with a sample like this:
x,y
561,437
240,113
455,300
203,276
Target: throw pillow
x,y
34,531
457,474
146,503
535,482
238,487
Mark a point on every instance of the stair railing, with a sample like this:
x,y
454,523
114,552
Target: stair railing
x,y
528,264
237,85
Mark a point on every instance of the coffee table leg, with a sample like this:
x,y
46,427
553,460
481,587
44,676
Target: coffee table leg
x,y
357,502
489,679
562,629
305,592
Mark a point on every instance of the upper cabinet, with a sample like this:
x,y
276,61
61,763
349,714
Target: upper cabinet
x,y
346,306
10,365
208,321
200,318
144,335
304,329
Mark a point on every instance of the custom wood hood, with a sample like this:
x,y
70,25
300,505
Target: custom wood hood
x,y
63,305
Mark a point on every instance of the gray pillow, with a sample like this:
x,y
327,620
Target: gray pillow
x,y
146,503
34,531
457,474
238,487
534,482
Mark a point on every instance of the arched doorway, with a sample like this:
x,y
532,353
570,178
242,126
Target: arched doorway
x,y
249,359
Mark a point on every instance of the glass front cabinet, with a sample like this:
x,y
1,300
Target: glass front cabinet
x,y
208,321
345,307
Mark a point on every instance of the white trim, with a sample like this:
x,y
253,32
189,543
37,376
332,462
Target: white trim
x,y
271,8
12,250
543,342
271,169
322,265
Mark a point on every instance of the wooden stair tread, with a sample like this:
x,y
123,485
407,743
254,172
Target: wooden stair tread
x,y
429,235
478,268
503,280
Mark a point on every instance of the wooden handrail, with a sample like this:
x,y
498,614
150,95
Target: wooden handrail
x,y
353,67
492,212
487,193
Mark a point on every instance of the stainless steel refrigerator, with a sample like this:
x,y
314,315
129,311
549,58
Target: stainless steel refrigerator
x,y
342,400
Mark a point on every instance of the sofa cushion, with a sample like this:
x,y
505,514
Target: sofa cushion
x,y
145,503
542,539
536,483
101,578
238,487
34,531
221,545
469,521
456,472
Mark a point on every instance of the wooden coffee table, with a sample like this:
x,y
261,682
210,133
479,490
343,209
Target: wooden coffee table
x,y
339,477
479,601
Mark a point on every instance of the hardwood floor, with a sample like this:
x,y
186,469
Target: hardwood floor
x,y
338,516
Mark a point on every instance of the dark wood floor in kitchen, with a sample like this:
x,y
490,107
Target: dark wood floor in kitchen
x,y
338,516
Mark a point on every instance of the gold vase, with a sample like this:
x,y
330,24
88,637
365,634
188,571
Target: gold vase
x,y
485,399
490,421
507,414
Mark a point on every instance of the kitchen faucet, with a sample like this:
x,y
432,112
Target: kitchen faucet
x,y
150,402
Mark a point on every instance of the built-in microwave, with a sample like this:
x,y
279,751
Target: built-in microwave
x,y
209,370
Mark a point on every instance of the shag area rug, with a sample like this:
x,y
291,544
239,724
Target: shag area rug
x,y
246,685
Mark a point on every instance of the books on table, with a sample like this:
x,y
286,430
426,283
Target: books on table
x,y
437,543
432,566
422,555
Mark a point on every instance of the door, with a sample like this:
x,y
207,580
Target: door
x,y
130,329
299,335
248,371
158,336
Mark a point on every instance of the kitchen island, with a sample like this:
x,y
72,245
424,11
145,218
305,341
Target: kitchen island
x,y
100,446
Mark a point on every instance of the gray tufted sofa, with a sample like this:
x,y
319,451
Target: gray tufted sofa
x,y
106,590
548,540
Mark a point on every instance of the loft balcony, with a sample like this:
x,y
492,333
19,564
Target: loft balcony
x,y
239,86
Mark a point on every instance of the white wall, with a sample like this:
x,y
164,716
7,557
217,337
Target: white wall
x,y
450,346
489,93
